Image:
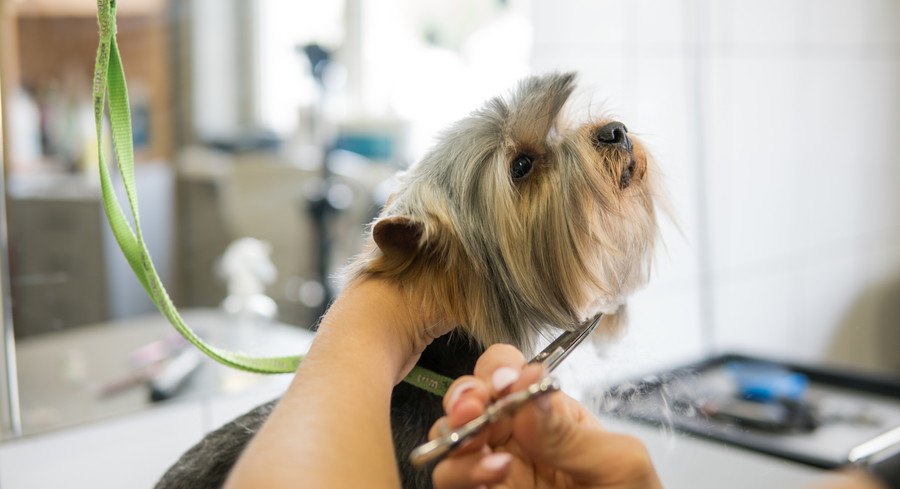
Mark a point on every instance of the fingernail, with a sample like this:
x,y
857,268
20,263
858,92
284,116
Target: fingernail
x,y
504,377
444,426
549,420
543,403
496,462
458,392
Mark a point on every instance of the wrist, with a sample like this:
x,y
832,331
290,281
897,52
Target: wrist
x,y
376,317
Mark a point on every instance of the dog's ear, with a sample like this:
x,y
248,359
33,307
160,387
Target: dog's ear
x,y
397,234
536,104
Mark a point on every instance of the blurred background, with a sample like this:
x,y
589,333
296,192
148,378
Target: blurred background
x,y
266,134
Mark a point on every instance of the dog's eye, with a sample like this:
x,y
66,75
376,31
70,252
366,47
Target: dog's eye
x,y
521,167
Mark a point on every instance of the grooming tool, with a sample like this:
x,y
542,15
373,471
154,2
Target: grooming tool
x,y
551,357
437,448
561,347
174,375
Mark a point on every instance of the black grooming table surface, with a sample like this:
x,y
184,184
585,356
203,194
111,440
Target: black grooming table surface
x,y
861,408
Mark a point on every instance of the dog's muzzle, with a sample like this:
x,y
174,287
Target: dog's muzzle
x,y
615,135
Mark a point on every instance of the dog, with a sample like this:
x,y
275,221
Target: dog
x,y
518,222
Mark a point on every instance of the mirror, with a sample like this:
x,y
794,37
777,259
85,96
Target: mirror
x,y
266,135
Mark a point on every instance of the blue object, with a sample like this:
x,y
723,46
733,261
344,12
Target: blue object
x,y
766,382
372,146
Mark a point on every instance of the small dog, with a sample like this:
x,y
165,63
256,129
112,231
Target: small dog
x,y
517,223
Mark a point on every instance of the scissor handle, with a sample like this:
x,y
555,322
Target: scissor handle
x,y
551,357
437,448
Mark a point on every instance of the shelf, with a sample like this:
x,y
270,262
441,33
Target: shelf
x,y
83,8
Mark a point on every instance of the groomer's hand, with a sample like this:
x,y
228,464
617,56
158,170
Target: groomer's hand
x,y
552,442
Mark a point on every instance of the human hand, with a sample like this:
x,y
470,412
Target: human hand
x,y
553,442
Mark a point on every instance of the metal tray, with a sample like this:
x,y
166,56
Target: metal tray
x,y
863,412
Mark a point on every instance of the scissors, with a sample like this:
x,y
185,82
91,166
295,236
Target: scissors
x,y
550,357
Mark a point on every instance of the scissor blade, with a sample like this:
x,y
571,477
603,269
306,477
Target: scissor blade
x,y
561,347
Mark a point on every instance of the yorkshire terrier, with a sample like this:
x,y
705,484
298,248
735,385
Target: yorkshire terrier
x,y
518,222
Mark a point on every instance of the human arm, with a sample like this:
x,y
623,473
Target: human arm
x,y
332,427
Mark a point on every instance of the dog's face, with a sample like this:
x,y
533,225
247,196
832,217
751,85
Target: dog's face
x,y
517,221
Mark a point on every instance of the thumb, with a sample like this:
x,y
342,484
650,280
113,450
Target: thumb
x,y
557,431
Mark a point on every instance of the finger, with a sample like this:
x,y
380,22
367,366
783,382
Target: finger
x,y
465,410
530,373
501,431
499,366
557,430
471,471
466,386
440,428
551,425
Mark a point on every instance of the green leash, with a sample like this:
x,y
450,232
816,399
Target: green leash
x,y
109,77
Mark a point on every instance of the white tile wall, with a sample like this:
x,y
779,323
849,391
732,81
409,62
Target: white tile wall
x,y
871,339
831,282
750,161
594,23
850,24
602,84
658,27
882,261
800,158
754,312
761,23
658,334
848,154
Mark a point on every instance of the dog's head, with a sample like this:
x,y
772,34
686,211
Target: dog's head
x,y
517,221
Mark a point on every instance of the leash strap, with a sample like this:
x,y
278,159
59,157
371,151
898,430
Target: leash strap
x,y
109,79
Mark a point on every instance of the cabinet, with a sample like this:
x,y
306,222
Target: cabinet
x,y
84,8
49,47
57,273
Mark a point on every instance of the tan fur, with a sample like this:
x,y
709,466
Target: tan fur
x,y
509,259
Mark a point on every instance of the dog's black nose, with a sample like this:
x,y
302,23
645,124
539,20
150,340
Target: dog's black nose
x,y
613,133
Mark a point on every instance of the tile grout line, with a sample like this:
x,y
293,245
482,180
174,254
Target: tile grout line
x,y
697,57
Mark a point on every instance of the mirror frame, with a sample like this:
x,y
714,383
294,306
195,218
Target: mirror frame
x,y
10,414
